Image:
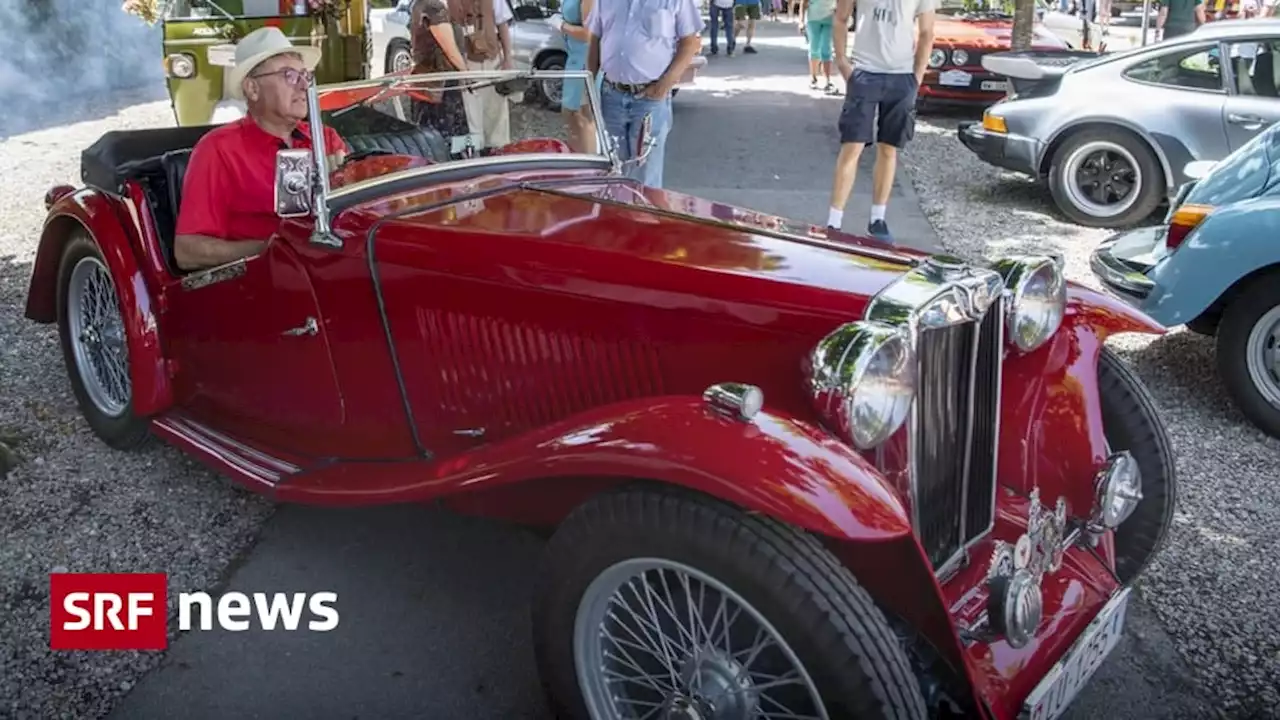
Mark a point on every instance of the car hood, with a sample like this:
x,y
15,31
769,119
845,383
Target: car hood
x,y
988,34
651,231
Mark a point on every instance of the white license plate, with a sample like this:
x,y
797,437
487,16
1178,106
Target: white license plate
x,y
955,78
1000,85
1056,691
224,55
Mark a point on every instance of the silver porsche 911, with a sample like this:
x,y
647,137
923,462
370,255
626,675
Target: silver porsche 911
x,y
1112,133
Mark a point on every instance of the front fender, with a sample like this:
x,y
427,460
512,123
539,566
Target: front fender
x,y
94,214
1051,408
1234,242
773,464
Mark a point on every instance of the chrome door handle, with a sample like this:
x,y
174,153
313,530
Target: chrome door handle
x,y
1244,119
308,328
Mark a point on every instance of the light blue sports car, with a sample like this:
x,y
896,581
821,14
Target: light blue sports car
x,y
1214,266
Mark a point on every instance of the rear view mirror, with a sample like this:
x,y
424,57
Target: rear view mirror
x,y
294,183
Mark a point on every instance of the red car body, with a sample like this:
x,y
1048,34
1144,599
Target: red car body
x,y
976,36
515,339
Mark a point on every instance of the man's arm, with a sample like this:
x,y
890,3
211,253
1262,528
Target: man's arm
x,y
203,219
840,37
1164,14
503,17
924,38
689,29
595,26
1199,13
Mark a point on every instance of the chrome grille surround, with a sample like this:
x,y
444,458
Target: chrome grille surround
x,y
940,293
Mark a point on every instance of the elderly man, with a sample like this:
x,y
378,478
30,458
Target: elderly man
x,y
642,47
228,197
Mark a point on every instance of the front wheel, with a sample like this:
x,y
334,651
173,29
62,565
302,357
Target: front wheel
x,y
1131,422
656,603
1106,177
95,345
1248,352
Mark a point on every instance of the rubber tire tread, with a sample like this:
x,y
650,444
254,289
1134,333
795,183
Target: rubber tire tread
x,y
1149,195
1238,319
831,623
127,432
1132,422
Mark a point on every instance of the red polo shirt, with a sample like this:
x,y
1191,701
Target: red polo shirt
x,y
229,189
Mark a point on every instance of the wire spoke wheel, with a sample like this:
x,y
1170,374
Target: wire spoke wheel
x,y
659,640
97,337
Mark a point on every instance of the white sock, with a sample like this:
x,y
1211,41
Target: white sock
x,y
835,218
877,212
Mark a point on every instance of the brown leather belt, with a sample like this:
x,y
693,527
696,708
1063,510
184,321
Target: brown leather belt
x,y
627,87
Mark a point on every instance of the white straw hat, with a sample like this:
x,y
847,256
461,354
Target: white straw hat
x,y
260,45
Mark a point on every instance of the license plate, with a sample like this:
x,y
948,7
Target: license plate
x,y
1000,85
1056,691
955,78
224,55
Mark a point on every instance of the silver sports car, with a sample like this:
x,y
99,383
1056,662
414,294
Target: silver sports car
x,y
534,43
1112,133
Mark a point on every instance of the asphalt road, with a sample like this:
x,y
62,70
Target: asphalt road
x,y
434,606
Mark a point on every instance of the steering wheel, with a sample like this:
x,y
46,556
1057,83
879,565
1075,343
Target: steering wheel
x,y
371,152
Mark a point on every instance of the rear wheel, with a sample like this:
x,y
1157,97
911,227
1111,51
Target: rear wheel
x,y
551,91
1106,177
1248,352
399,56
95,347
659,601
1132,422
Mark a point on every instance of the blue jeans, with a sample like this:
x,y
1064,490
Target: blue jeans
x,y
721,16
622,113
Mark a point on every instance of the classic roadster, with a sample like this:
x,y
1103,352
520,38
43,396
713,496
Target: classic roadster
x,y
785,474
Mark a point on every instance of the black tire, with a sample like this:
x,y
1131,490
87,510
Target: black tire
x,y
124,431
1255,300
1132,422
831,623
1148,194
396,46
553,61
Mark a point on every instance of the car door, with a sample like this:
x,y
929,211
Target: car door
x,y
1253,104
251,352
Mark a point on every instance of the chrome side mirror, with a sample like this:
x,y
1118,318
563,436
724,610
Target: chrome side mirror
x,y
294,183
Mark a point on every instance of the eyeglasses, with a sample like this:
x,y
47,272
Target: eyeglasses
x,y
294,77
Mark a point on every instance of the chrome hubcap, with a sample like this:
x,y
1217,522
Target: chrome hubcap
x,y
97,337
1102,179
402,60
659,640
1263,356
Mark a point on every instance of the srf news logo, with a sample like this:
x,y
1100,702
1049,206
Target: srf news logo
x,y
129,611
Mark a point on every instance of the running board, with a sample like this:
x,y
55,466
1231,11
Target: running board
x,y
252,468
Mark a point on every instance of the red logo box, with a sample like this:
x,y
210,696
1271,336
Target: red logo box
x,y
108,611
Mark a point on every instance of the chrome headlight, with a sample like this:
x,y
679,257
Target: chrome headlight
x,y
181,66
959,57
937,57
1119,489
1038,294
862,379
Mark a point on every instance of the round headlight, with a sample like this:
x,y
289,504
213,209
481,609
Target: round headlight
x,y
959,57
1119,487
1039,299
181,66
862,377
1015,607
937,57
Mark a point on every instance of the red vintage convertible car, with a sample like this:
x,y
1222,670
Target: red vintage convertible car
x,y
787,474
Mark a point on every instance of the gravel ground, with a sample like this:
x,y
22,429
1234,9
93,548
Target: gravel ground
x,y
1212,586
70,502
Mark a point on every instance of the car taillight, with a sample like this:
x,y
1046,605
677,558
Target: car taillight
x,y
1184,220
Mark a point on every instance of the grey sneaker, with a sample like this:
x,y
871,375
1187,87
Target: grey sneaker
x,y
880,231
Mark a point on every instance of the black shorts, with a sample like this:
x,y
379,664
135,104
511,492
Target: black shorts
x,y
889,98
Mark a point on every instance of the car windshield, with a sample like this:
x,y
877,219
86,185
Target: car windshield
x,y
220,9
403,121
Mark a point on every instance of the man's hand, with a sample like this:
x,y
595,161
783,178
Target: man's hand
x,y
845,67
658,89
507,64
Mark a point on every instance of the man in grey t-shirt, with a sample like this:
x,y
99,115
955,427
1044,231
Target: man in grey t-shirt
x,y
891,49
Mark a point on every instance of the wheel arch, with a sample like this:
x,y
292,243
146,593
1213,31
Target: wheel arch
x,y
1212,314
1075,127
92,214
547,53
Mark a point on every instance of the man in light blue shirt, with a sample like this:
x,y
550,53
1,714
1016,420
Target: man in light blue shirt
x,y
642,47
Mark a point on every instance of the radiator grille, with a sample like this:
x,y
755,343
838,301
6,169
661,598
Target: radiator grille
x,y
956,433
